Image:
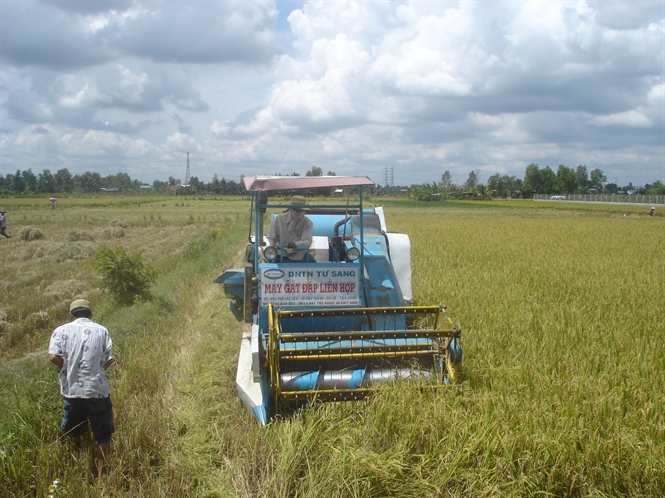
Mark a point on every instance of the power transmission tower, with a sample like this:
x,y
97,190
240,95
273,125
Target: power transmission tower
x,y
385,176
187,174
392,177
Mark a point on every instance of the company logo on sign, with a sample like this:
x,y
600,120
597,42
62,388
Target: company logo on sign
x,y
273,274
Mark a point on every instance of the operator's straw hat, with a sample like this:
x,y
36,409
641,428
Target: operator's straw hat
x,y
79,303
2,210
297,201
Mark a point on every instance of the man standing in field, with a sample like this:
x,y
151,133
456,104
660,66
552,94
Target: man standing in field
x,y
292,230
82,350
3,223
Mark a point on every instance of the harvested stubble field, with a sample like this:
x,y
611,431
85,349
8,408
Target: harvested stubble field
x,y
562,389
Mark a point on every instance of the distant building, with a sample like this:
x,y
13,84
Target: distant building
x,y
109,190
145,188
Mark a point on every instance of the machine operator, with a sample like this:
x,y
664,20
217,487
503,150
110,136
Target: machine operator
x,y
291,232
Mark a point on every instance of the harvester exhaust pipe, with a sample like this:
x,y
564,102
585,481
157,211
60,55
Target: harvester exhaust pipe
x,y
339,224
338,252
263,199
260,228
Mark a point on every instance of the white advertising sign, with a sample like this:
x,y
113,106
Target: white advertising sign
x,y
293,285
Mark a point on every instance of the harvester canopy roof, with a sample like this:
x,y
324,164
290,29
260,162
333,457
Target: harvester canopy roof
x,y
267,183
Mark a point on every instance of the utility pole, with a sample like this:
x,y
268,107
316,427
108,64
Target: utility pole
x,y
187,174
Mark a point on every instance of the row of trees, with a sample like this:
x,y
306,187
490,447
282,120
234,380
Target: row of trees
x,y
536,181
64,182
195,186
565,181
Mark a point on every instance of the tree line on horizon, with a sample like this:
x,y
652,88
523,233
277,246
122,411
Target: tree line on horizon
x,y
63,181
536,181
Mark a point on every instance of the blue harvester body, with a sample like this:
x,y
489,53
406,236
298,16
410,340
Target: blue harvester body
x,y
339,325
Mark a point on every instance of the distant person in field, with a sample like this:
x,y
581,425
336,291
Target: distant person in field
x,y
53,199
652,211
292,230
3,223
83,351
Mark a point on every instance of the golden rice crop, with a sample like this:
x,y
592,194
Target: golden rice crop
x,y
561,391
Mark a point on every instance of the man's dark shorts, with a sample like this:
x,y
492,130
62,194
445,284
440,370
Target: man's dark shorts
x,y
99,411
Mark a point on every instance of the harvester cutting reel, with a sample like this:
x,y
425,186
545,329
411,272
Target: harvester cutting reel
x,y
356,350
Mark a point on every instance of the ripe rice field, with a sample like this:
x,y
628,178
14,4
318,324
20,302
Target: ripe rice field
x,y
562,387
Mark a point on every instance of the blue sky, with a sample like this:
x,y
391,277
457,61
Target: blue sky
x,y
415,88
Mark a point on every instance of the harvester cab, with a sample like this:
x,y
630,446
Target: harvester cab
x,y
339,323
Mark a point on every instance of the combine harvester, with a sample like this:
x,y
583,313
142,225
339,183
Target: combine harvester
x,y
334,327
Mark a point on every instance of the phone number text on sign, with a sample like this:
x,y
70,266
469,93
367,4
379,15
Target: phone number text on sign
x,y
291,285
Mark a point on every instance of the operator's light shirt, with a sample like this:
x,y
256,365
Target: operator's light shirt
x,y
85,347
300,233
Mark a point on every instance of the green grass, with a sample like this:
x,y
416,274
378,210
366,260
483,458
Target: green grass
x,y
563,378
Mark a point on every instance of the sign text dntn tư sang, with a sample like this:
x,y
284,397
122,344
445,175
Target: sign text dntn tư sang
x,y
291,285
